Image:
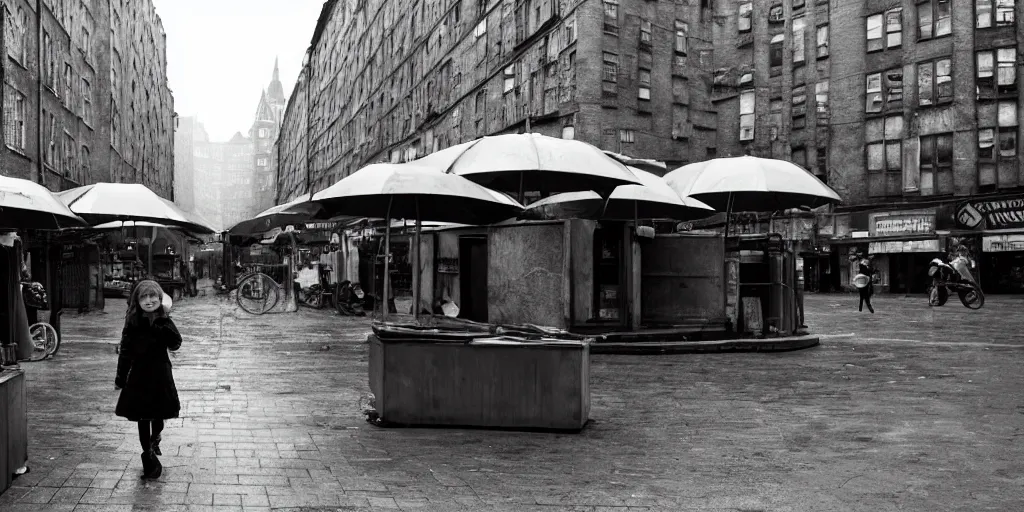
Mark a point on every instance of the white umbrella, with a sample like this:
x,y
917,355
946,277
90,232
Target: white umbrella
x,y
652,200
117,224
28,205
411,191
105,202
531,161
749,183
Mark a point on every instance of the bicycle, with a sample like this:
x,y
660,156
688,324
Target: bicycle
x,y
45,341
257,293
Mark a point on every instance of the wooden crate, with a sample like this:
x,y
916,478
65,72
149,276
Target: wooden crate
x,y
13,425
478,384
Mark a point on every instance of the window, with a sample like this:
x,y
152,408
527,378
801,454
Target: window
x,y
570,30
934,82
86,44
569,132
510,78
799,156
262,161
84,175
611,17
747,115
745,16
823,41
1002,16
14,118
997,143
934,19
821,101
682,30
775,50
884,91
936,164
263,132
69,156
48,62
481,29
69,85
799,23
799,111
14,34
644,92
626,136
997,73
50,127
884,137
885,30
610,73
645,32
86,101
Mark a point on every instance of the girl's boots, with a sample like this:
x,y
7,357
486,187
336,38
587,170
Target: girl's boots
x,y
151,467
156,445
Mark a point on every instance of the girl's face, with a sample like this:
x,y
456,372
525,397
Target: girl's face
x,y
149,302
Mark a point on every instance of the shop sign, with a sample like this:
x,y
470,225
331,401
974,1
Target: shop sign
x,y
1002,243
448,265
903,246
900,224
994,214
255,250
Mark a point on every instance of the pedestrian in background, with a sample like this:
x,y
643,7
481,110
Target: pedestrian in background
x,y
865,280
148,394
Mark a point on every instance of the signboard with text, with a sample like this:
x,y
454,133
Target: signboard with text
x,y
901,224
1002,243
991,214
903,247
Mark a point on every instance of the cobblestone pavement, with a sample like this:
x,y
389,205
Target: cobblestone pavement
x,y
911,408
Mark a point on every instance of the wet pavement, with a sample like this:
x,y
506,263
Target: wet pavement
x,y
912,408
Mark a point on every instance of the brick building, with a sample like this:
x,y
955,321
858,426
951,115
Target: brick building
x,y
391,80
909,109
85,94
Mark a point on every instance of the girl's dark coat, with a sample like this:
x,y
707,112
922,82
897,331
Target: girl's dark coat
x,y
144,371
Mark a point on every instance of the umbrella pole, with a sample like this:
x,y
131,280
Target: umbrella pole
x,y
416,278
149,266
387,257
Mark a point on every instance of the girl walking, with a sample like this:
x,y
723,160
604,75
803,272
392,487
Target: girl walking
x,y
148,395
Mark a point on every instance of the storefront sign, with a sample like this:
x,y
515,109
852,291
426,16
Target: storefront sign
x,y
899,224
447,265
995,214
903,246
1002,243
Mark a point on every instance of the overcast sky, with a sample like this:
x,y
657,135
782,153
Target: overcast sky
x,y
220,55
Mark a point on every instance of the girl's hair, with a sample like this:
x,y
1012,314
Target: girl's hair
x,y
146,287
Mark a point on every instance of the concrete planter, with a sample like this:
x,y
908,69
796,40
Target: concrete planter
x,y
481,383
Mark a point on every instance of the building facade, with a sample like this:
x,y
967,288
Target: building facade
x,y
264,131
909,109
391,80
85,94
185,137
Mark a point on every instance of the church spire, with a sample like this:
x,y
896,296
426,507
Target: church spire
x,y
275,93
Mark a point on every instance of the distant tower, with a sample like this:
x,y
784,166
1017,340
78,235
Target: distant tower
x,y
265,129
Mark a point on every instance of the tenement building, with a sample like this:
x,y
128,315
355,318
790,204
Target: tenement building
x,y
85,94
391,80
908,108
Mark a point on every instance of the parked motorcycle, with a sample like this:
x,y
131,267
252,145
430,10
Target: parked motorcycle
x,y
349,299
954,276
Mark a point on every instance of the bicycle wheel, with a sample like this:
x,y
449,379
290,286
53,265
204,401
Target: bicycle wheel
x,y
258,293
44,340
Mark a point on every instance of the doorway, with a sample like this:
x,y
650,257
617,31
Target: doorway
x,y
473,278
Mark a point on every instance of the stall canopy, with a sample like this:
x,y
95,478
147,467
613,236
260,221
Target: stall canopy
x,y
298,211
28,205
532,162
751,184
105,202
654,199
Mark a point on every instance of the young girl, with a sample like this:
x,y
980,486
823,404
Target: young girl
x,y
148,395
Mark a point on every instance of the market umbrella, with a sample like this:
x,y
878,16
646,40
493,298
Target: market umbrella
x,y
530,161
652,200
105,202
751,184
411,191
119,224
296,211
28,205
